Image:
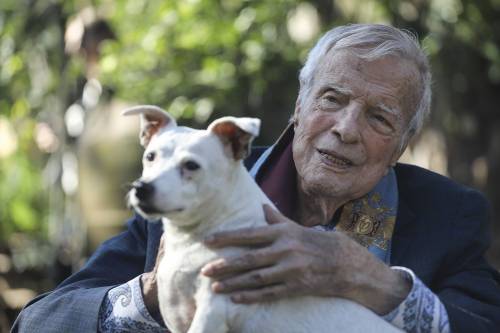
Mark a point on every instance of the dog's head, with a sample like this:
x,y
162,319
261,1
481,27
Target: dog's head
x,y
185,169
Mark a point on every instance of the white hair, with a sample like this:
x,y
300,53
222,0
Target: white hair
x,y
371,42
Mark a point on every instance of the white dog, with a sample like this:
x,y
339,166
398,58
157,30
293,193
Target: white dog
x,y
196,182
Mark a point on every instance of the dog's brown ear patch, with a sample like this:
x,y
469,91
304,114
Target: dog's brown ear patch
x,y
150,127
153,119
236,134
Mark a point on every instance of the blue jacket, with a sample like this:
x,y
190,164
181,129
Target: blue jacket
x,y
441,234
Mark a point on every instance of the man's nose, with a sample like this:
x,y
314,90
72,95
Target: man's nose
x,y
143,190
347,126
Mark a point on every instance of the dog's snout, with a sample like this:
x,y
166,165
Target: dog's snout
x,y
143,190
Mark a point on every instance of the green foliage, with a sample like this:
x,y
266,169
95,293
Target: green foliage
x,y
31,58
200,59
193,56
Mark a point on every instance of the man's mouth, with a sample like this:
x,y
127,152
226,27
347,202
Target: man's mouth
x,y
334,159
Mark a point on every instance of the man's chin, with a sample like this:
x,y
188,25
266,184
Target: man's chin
x,y
328,167
324,184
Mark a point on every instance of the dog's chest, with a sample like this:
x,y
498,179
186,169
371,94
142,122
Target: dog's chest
x,y
181,269
178,281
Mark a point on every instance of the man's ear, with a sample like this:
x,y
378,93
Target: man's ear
x,y
236,134
153,119
397,154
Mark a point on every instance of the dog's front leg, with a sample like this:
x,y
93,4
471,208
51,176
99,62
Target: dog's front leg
x,y
210,315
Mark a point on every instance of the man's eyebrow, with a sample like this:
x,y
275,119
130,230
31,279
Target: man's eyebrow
x,y
338,89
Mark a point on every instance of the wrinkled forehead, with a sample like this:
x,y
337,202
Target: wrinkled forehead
x,y
396,77
391,67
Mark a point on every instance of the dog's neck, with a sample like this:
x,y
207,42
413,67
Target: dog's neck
x,y
240,201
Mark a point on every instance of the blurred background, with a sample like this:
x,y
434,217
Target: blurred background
x,y
67,69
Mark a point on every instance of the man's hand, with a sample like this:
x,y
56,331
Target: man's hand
x,y
285,259
149,284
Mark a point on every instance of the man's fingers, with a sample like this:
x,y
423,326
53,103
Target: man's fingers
x,y
245,262
271,293
241,237
161,252
252,280
273,216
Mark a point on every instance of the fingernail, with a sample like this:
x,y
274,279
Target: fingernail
x,y
218,287
207,270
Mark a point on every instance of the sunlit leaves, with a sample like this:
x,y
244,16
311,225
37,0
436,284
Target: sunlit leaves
x,y
20,186
205,58
30,76
194,50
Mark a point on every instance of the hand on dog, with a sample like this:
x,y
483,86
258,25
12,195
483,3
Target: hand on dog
x,y
286,259
149,283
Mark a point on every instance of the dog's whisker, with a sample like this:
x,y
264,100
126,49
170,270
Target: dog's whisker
x,y
128,201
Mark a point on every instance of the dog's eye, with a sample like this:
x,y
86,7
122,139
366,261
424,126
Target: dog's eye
x,y
191,165
150,157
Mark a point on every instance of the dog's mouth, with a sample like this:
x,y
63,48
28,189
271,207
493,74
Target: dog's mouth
x,y
152,211
148,209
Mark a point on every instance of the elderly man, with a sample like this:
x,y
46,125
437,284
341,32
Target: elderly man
x,y
402,241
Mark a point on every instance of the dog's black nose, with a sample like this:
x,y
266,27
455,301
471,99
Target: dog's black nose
x,y
143,190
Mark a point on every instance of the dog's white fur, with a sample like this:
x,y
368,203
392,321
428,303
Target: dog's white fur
x,y
219,195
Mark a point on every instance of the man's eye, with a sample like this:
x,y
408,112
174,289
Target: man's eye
x,y
380,119
191,165
331,99
381,123
150,157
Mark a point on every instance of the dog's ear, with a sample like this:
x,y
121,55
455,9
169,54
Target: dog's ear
x,y
153,119
236,134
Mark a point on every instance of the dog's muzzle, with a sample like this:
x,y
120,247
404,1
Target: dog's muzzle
x,y
143,190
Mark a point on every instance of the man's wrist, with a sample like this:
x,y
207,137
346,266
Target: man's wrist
x,y
385,290
421,310
149,292
123,310
402,289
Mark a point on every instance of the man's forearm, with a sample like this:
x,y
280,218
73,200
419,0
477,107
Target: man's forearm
x,y
398,296
383,291
421,311
124,310
67,309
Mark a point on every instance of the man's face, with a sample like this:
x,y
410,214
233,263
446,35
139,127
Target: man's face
x,y
349,127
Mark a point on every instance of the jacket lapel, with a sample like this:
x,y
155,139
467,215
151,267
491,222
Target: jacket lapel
x,y
404,233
